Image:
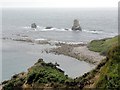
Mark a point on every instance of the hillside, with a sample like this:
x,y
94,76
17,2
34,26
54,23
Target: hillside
x,y
103,45
41,75
109,74
106,74
47,75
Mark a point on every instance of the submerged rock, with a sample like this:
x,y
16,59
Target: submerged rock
x,y
33,25
76,25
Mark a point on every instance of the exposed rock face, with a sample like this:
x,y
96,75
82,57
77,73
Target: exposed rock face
x,y
76,25
33,25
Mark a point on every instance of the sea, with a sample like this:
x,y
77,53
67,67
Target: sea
x,y
18,55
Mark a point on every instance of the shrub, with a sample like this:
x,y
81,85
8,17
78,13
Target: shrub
x,y
31,77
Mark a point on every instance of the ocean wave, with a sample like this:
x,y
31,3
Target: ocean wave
x,y
29,28
46,41
40,39
55,29
64,42
56,42
41,28
93,31
45,29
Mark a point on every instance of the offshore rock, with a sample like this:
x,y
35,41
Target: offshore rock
x,y
49,27
76,25
33,25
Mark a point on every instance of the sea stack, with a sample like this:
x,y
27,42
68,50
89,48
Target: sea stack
x,y
33,25
76,25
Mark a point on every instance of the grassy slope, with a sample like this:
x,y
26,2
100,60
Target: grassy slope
x,y
40,75
105,75
109,75
102,45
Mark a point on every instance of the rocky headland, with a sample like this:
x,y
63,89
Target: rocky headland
x,y
48,76
80,52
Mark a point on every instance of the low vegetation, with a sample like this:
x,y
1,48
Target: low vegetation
x,y
47,75
103,45
109,74
108,70
40,75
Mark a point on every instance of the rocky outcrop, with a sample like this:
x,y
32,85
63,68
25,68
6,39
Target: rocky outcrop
x,y
33,25
41,76
76,25
49,27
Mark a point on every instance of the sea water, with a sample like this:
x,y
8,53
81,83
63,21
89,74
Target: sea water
x,y
96,23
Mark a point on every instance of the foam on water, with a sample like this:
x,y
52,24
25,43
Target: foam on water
x,y
43,29
93,31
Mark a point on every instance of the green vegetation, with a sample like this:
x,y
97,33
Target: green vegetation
x,y
106,74
40,75
109,72
15,82
103,45
109,76
44,75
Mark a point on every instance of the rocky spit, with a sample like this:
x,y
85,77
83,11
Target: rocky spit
x,y
80,52
76,50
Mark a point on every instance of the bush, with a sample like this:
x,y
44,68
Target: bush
x,y
9,86
31,77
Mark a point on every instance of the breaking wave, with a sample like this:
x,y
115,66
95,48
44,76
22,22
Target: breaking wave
x,y
45,29
40,28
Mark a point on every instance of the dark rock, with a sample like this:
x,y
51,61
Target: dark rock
x,y
66,29
56,64
33,25
48,27
76,25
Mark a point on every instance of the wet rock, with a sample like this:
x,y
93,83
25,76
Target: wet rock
x,y
33,25
76,25
48,27
66,29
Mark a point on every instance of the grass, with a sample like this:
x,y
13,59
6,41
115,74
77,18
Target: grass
x,y
45,74
42,74
38,76
109,74
102,45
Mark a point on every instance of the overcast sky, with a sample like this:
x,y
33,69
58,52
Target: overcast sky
x,y
60,3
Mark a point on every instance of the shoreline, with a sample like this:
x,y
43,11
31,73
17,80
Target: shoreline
x,y
79,52
90,79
